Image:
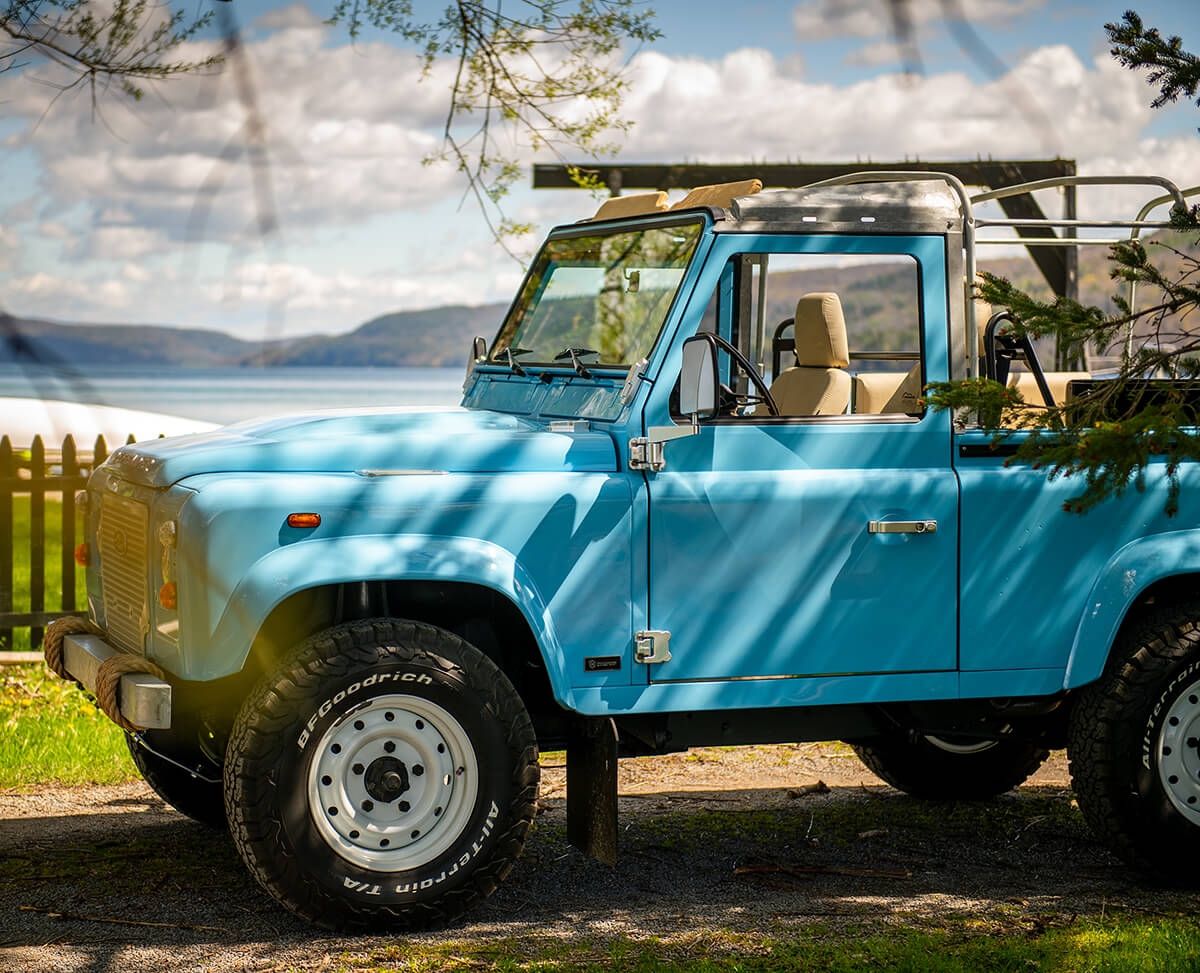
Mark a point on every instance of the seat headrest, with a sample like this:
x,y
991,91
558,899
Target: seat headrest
x,y
983,313
820,332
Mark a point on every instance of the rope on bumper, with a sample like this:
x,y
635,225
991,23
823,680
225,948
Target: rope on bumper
x,y
52,641
108,684
108,677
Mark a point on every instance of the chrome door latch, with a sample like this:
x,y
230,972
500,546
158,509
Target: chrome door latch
x,y
652,647
902,527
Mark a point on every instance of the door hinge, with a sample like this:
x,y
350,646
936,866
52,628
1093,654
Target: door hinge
x,y
646,455
652,647
646,452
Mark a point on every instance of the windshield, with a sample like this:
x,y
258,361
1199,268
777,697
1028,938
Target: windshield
x,y
605,295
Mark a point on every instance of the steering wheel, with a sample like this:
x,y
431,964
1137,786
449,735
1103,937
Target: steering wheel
x,y
764,395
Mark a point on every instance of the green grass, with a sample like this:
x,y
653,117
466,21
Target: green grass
x,y
50,733
1161,945
22,568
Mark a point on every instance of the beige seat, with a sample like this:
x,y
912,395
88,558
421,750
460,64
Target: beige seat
x,y
818,385
878,393
1026,384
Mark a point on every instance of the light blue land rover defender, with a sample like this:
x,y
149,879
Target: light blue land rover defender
x,y
692,496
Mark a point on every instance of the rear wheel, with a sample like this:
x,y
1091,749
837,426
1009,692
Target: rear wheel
x,y
1135,746
384,775
950,767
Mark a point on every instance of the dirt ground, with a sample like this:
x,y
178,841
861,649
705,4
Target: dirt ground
x,y
780,840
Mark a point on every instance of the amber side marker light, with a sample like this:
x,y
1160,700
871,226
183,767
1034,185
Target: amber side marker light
x,y
168,597
304,520
83,555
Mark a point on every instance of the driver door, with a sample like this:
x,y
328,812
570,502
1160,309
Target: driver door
x,y
763,562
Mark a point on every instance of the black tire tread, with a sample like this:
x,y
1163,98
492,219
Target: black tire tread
x,y
339,651
923,770
1099,739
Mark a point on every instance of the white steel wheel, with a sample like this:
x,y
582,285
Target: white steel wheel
x,y
392,783
1178,753
381,776
956,745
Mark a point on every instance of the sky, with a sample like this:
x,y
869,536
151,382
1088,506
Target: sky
x,y
145,212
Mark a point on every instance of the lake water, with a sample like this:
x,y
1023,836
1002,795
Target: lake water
x,y
225,395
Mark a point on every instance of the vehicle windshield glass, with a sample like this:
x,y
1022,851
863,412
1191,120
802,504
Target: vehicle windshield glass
x,y
606,293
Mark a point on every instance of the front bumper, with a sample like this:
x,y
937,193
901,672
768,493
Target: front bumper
x,y
145,699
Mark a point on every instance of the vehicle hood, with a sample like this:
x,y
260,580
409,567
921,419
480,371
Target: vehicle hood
x,y
448,440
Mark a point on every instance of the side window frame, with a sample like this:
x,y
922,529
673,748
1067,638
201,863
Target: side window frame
x,y
742,303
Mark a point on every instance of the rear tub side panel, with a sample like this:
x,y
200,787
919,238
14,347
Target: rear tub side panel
x,y
557,545
1043,589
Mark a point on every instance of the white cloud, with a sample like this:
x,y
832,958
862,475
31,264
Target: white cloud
x,y
135,273
700,110
119,243
57,297
10,246
347,128
818,20
295,16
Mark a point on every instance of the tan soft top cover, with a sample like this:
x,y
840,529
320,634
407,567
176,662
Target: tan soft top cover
x,y
720,195
617,206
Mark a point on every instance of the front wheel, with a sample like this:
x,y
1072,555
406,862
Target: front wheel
x,y
1134,746
383,775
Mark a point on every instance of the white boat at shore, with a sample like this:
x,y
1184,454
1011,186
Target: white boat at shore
x,y
22,419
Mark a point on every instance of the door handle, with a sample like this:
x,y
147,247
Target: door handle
x,y
902,527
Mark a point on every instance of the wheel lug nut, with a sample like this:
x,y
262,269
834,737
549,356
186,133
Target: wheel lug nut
x,y
390,747
403,805
418,770
368,805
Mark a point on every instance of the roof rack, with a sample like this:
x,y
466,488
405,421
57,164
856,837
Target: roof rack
x,y
970,224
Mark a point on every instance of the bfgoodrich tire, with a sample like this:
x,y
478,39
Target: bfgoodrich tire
x,y
384,775
1134,746
948,769
191,795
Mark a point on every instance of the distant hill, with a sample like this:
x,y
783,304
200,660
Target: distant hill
x,y
442,336
35,340
433,337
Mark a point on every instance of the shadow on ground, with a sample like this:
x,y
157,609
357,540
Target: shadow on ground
x,y
178,897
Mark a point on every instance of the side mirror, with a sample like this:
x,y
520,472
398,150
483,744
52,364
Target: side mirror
x,y
478,354
699,382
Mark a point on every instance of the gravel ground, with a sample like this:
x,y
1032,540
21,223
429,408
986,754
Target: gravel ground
x,y
110,879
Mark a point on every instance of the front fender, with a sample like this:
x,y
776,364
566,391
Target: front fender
x,y
374,557
1128,573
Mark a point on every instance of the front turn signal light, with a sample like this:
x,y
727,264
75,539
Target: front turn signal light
x,y
168,597
304,520
83,555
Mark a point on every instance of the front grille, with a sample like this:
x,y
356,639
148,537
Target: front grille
x,y
123,537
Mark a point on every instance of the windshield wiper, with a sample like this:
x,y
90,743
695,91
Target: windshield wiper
x,y
573,354
510,356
